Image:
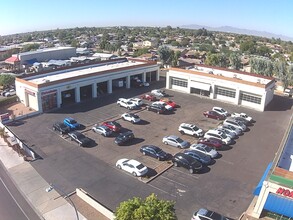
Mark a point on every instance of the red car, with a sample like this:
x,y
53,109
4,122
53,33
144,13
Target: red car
x,y
148,97
212,142
169,102
214,115
112,125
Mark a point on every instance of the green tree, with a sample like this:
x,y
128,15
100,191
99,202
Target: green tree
x,y
248,47
216,60
235,61
284,73
6,80
30,47
151,208
263,51
165,54
291,57
262,66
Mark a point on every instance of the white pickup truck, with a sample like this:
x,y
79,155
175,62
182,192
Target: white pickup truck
x,y
242,115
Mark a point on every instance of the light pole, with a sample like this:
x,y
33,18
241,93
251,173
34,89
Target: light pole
x,y
65,196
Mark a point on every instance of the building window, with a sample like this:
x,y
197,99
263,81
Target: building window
x,y
250,98
225,92
179,82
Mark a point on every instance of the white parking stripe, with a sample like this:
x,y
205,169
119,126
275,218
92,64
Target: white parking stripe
x,y
225,161
161,190
186,173
174,181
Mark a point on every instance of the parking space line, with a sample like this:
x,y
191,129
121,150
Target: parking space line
x,y
161,190
225,161
174,181
185,173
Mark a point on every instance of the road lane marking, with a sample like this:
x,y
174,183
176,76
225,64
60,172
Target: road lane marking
x,y
162,190
186,173
173,181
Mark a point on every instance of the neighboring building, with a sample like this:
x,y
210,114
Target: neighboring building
x,y
104,56
51,90
240,88
275,189
152,43
57,53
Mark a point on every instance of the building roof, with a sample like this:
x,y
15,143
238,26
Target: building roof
x,y
12,59
84,71
45,50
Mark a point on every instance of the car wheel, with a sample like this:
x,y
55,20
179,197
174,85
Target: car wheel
x,y
182,132
54,129
191,171
158,112
103,134
79,144
119,167
148,109
60,132
218,118
175,164
178,146
207,116
143,153
132,122
134,174
71,139
123,119
128,108
158,158
165,142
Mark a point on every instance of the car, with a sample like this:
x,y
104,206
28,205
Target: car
x,y
136,101
230,134
221,111
126,103
154,151
235,123
158,93
242,115
79,138
70,122
205,214
124,137
190,129
133,118
169,102
113,125
61,127
175,141
10,92
166,106
155,108
214,115
242,120
186,161
4,91
205,149
102,129
231,128
148,97
218,135
212,142
132,166
201,157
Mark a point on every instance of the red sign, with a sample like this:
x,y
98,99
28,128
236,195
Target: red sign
x,y
285,192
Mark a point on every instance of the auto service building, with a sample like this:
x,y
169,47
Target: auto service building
x,y
237,87
50,90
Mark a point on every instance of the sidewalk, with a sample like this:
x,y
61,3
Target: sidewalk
x,y
50,205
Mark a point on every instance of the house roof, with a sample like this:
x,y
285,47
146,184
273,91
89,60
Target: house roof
x,y
12,59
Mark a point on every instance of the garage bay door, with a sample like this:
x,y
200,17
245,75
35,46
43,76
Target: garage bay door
x,y
279,204
201,86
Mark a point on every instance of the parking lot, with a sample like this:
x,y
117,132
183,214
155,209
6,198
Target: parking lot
x,y
225,186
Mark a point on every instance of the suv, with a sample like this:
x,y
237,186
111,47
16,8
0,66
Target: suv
x,y
157,109
204,214
190,129
61,127
235,123
126,103
124,137
219,135
186,161
221,111
136,101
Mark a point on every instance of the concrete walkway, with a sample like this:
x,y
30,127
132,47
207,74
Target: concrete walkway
x,y
50,205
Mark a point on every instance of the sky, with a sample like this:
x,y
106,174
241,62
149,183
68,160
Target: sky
x,y
18,16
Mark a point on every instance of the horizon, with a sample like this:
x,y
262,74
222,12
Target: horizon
x,y
32,15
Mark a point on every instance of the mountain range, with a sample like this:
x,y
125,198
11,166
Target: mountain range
x,y
235,30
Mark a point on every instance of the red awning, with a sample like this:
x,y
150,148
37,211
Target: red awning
x,y
12,60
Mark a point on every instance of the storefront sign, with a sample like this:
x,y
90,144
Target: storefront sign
x,y
30,92
285,192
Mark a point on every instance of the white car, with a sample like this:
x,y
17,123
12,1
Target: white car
x,y
126,104
231,128
190,129
230,134
11,92
235,123
158,92
221,111
133,118
175,141
242,115
204,214
205,149
136,101
218,135
103,130
161,103
132,166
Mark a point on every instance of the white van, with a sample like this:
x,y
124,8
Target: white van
x,y
235,123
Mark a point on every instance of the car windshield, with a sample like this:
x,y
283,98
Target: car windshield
x,y
72,121
179,140
208,149
114,124
135,116
79,135
195,128
214,215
